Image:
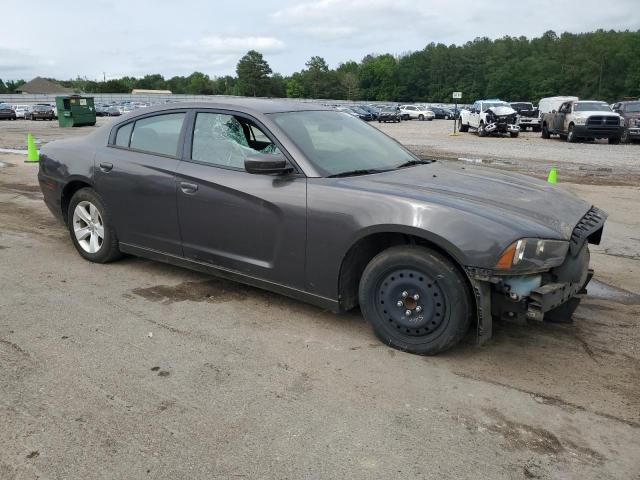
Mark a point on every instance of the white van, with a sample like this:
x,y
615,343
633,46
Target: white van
x,y
549,104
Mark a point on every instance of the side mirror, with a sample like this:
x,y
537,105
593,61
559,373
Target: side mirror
x,y
267,164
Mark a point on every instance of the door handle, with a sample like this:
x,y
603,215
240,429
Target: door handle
x,y
106,166
188,188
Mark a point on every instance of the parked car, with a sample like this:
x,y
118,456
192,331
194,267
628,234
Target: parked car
x,y
583,119
370,110
21,110
489,117
308,202
43,112
441,112
416,112
527,116
361,114
7,112
630,112
389,114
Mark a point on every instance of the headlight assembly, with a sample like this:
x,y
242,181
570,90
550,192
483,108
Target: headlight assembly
x,y
533,255
580,121
621,122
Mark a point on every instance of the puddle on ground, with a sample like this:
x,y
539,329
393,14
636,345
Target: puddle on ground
x,y
213,291
29,191
11,150
597,289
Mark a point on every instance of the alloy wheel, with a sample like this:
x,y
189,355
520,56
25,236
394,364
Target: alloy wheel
x,y
88,227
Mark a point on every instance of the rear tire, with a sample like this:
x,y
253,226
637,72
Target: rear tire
x,y
87,217
421,117
416,300
545,132
514,134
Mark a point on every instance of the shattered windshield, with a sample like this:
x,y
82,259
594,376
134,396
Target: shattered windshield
x,y
336,143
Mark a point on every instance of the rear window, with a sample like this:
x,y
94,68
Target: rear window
x,y
123,135
158,134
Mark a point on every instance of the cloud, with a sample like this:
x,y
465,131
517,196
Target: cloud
x,y
336,19
231,44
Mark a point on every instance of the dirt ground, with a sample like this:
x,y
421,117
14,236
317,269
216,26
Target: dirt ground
x,y
137,369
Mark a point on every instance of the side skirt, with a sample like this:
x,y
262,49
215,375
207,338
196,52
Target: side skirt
x,y
322,302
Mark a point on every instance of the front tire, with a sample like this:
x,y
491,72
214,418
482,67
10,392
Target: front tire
x,y
421,117
614,140
416,300
571,135
514,134
461,127
90,227
481,130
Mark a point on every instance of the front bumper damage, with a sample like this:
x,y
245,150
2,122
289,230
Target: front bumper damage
x,y
550,295
497,127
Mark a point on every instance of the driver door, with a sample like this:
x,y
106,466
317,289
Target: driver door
x,y
474,116
560,118
247,223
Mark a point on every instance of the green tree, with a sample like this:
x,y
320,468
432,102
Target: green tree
x,y
253,74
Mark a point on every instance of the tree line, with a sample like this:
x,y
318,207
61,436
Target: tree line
x,y
603,65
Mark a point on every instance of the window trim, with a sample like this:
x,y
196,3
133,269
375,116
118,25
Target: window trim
x,y
188,141
181,137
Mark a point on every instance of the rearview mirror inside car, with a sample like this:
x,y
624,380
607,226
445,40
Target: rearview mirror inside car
x,y
267,164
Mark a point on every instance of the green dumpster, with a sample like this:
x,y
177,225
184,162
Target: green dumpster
x,y
75,111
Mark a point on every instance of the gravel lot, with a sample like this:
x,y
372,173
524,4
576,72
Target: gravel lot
x,y
142,370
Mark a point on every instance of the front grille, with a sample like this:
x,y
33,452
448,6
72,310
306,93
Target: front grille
x,y
602,121
589,228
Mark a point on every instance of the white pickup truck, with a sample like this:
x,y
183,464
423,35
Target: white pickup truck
x,y
583,119
489,117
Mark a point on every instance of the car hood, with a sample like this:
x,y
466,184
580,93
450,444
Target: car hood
x,y
500,111
504,197
588,113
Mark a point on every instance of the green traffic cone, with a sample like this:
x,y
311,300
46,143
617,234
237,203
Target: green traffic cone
x,y
553,176
32,153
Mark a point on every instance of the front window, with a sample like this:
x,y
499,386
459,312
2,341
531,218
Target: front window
x,y
336,143
591,107
226,141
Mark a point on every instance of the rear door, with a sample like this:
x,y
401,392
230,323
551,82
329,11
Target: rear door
x,y
252,224
135,175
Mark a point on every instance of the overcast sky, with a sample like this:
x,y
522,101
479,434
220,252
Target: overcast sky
x,y
65,39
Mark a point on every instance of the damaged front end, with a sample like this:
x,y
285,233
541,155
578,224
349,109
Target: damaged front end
x,y
501,120
537,279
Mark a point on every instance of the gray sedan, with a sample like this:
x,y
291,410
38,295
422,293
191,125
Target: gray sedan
x,y
316,204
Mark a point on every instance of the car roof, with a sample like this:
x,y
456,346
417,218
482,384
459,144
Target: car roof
x,y
247,105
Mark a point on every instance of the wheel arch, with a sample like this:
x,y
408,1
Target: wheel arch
x,y
71,187
371,242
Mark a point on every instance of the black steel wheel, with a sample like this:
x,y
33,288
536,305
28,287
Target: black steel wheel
x,y
416,300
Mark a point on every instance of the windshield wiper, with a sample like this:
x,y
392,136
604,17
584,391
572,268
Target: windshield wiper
x,y
353,173
411,163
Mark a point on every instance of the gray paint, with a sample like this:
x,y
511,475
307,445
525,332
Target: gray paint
x,y
292,233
